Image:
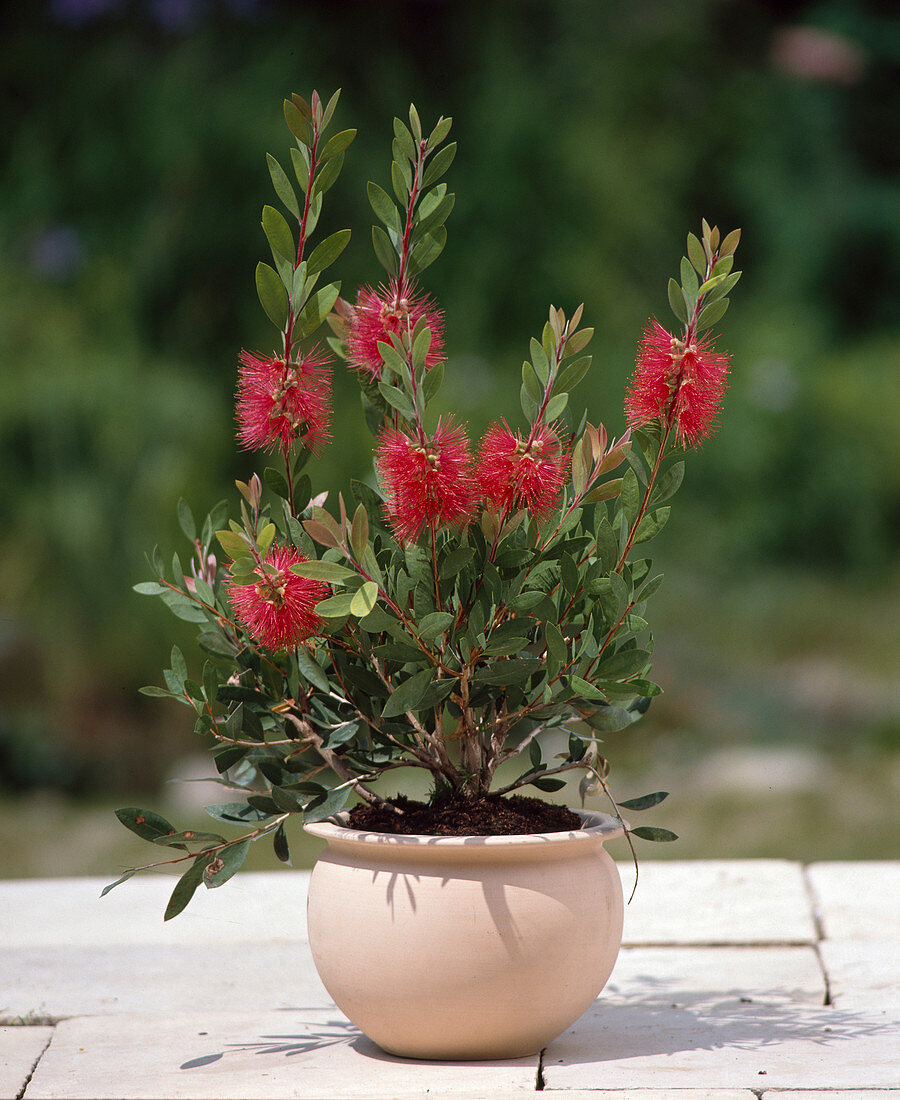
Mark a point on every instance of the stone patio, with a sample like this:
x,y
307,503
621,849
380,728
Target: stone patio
x,y
737,979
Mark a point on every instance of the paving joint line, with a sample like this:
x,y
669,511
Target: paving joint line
x,y
21,1093
816,912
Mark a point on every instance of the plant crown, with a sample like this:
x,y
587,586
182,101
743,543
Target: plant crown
x,y
445,614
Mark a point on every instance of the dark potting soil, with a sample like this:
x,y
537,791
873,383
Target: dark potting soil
x,y
492,815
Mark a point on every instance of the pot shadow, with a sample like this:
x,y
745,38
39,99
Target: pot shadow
x,y
642,1026
329,1033
495,899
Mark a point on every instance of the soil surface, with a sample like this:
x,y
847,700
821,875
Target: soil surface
x,y
489,816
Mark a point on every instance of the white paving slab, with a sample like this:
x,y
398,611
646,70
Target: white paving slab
x,y
864,973
255,907
718,902
316,1053
88,981
654,1094
831,1094
857,901
711,975
725,1044
20,1048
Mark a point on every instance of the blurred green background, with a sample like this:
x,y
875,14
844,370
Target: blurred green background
x,y
592,136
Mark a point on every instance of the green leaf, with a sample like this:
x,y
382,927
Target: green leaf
x,y
383,205
280,845
548,784
321,533
397,399
540,361
232,543
272,295
327,176
574,372
359,531
408,695
432,383
585,689
264,538
276,481
235,813
715,311
652,524
455,561
330,571
421,347
441,130
668,483
316,309
186,520
178,840
508,672
335,607
404,138
300,162
327,251
677,302
556,406
364,599
729,245
282,185
334,802
186,886
226,864
578,341
689,281
438,164
629,496
696,254
653,832
557,650
147,824
723,288
384,250
338,144
312,671
645,801
434,624
151,588
296,122
427,250
610,719
277,233
532,386
118,882
436,692
621,665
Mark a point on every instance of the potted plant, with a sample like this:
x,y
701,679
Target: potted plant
x,y
466,610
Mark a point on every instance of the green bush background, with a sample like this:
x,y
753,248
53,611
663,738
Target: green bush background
x,y
592,136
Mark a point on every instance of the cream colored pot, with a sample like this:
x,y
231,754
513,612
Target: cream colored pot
x,y
465,948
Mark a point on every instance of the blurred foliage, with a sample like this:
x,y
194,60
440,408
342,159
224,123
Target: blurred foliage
x,y
592,137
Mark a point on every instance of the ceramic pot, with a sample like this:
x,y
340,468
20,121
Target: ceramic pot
x,y
465,948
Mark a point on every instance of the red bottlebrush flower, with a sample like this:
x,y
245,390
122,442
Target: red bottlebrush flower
x,y
515,473
279,610
279,403
427,484
378,313
682,385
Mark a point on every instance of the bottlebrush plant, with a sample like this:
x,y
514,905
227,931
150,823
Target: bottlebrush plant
x,y
463,601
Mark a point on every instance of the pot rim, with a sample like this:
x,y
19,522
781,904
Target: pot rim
x,y
595,825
